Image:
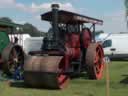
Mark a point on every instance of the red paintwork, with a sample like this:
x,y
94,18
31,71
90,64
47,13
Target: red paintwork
x,y
86,38
72,46
73,43
73,40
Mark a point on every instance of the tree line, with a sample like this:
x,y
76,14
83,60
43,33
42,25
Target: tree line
x,y
30,29
26,28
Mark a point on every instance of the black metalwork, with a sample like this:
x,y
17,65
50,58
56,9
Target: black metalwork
x,y
93,34
51,42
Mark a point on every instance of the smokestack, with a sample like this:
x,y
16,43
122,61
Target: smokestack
x,y
55,8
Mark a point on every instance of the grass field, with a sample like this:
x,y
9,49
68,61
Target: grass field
x,y
78,87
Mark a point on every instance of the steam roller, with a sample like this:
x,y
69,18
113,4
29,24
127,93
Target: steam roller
x,y
69,48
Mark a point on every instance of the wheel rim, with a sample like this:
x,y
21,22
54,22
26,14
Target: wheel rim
x,y
98,61
94,61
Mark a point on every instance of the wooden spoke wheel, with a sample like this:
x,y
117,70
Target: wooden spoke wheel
x,y
94,61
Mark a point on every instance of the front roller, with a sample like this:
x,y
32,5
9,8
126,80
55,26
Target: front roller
x,y
45,71
94,61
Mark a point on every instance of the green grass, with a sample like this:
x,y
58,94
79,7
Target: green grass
x,y
79,86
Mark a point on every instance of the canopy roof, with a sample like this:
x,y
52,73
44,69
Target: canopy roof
x,y
70,18
8,24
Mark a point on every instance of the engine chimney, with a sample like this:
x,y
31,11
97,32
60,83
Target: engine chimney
x,y
55,8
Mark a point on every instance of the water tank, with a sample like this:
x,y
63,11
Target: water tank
x,y
4,40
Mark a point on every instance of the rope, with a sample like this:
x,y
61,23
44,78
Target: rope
x,y
107,61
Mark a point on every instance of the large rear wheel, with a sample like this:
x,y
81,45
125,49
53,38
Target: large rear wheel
x,y
94,61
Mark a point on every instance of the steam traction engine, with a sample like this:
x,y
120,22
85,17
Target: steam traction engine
x,y
68,48
11,54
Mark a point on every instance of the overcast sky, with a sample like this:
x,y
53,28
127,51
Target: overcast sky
x,y
112,12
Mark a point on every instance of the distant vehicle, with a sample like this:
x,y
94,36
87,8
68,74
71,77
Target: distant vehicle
x,y
32,44
115,46
102,37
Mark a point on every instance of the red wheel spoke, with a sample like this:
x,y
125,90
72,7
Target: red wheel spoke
x,y
96,58
98,51
97,68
